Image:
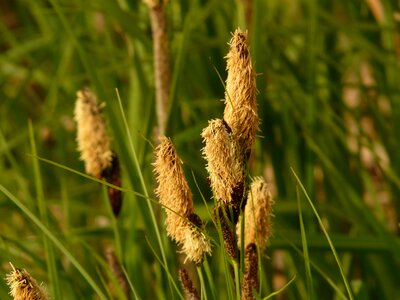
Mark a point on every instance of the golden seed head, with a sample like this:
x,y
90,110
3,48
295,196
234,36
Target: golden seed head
x,y
93,142
240,96
196,244
24,287
224,160
173,190
174,194
257,213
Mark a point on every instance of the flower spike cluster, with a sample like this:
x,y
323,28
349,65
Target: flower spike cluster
x,y
227,145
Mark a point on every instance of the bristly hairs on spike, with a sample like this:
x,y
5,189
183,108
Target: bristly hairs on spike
x,y
23,286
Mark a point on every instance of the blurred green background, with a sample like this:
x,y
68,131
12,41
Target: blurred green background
x,y
329,100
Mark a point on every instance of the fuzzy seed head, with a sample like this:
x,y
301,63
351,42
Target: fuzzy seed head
x,y
224,160
93,142
196,244
240,96
24,287
174,194
173,190
258,211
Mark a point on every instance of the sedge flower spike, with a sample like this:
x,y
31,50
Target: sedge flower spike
x,y
93,142
258,212
24,287
188,286
240,95
224,162
173,191
250,278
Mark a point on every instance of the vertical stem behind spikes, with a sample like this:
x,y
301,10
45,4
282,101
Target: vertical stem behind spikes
x,y
161,63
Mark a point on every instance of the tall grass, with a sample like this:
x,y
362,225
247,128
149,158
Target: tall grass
x,y
329,103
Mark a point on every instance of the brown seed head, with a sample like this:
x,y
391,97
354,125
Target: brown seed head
x,y
24,287
250,278
188,286
113,175
240,96
221,213
257,213
93,142
224,162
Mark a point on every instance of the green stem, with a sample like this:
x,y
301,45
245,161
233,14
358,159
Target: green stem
x,y
202,285
237,279
50,258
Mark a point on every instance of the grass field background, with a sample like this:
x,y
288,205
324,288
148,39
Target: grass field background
x,y
329,101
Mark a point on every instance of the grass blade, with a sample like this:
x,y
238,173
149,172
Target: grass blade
x,y
55,241
310,285
281,289
346,283
49,250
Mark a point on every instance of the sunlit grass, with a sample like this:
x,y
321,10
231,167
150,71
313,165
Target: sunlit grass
x,y
329,100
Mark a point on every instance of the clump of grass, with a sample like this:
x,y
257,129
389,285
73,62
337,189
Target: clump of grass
x,y
328,101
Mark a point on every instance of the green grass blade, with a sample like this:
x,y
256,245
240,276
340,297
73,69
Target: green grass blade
x,y
203,290
131,286
309,279
49,250
114,225
143,184
103,182
281,289
161,263
334,286
210,278
346,283
55,241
